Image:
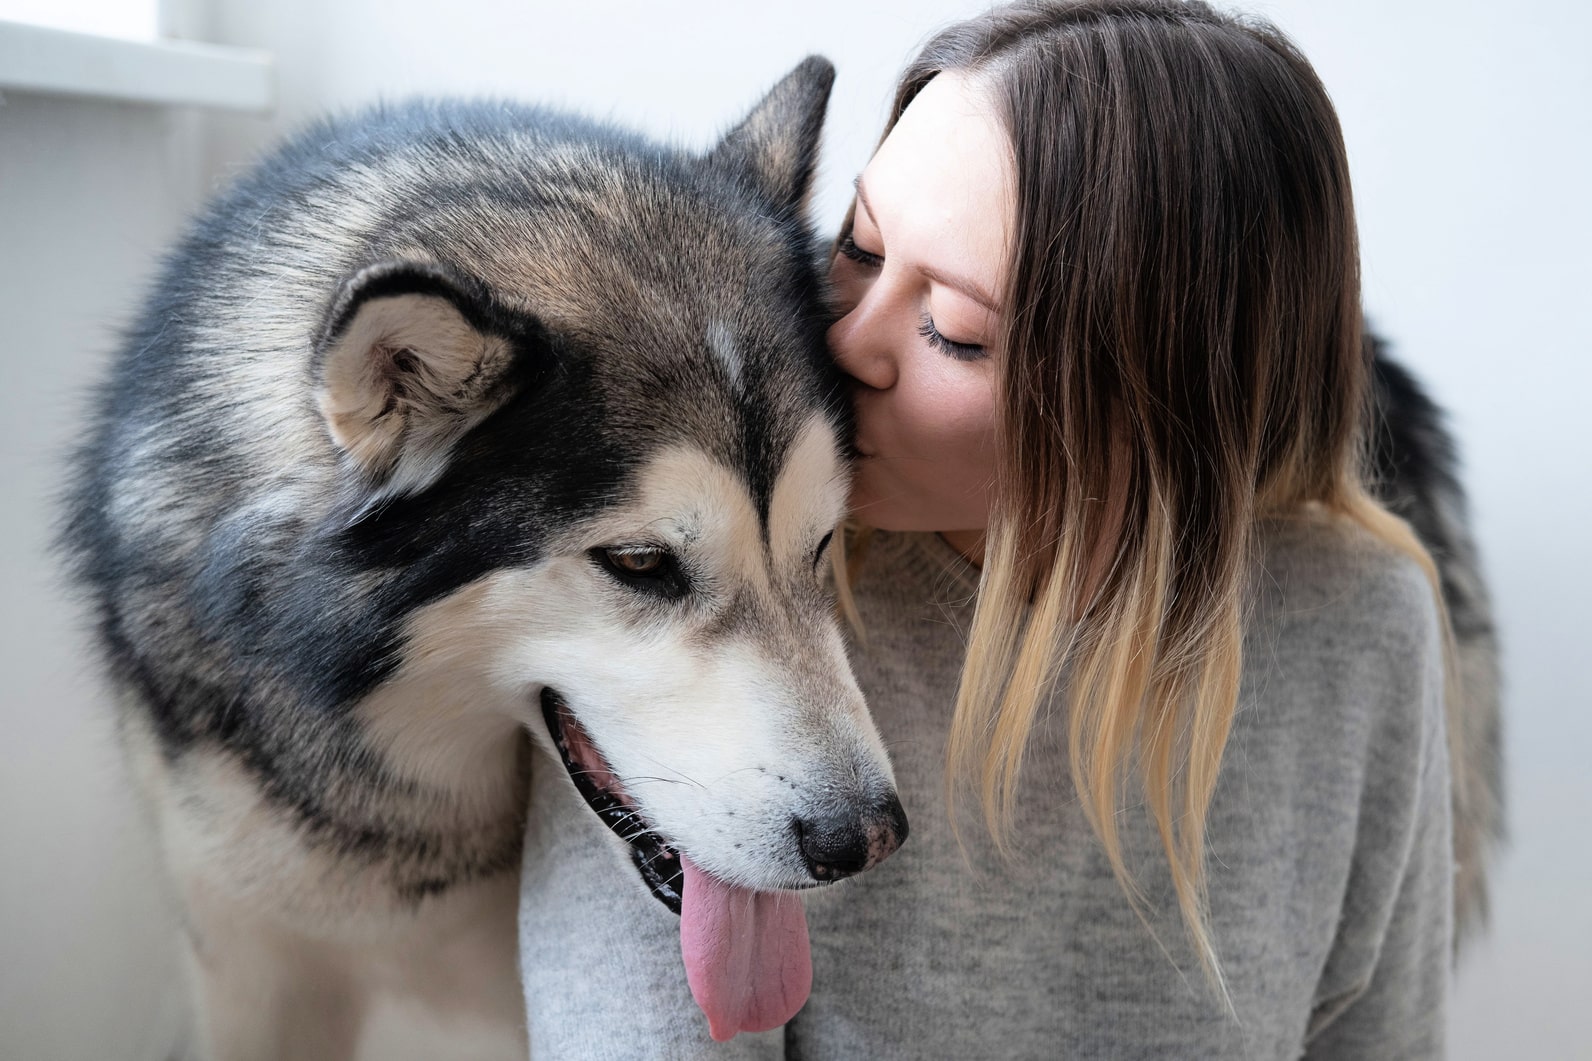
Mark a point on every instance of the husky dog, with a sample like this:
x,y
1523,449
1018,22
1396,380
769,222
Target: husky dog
x,y
448,424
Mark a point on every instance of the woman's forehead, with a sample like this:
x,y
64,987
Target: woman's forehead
x,y
941,186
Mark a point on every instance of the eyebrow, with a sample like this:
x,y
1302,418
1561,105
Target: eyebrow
x,y
955,283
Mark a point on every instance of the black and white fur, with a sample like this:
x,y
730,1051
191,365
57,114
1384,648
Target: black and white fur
x,y
449,424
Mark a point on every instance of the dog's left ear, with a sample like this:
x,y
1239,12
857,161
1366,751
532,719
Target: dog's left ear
x,y
777,143
412,357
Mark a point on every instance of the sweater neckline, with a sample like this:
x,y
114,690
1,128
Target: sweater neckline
x,y
926,550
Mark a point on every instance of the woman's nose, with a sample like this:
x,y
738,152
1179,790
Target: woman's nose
x,y
859,346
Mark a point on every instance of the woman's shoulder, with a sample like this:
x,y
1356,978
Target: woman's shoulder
x,y
1334,781
1343,649
1319,570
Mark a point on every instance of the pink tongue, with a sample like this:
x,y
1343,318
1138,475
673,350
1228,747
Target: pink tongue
x,y
746,954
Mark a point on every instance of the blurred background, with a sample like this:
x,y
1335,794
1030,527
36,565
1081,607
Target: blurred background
x,y
1469,128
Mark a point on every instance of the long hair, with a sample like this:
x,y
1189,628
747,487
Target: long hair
x,y
1181,359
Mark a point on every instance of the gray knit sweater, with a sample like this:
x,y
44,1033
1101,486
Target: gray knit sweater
x,y
1329,862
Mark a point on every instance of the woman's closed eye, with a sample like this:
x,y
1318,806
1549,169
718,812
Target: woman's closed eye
x,y
960,351
848,248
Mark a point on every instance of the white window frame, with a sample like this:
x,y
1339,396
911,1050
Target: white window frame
x,y
63,62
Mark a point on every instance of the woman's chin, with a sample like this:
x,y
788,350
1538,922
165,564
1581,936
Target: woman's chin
x,y
896,506
882,511
895,513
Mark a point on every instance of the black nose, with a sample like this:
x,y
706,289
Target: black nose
x,y
840,845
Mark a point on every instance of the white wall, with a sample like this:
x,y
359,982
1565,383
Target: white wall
x,y
89,193
1468,127
681,71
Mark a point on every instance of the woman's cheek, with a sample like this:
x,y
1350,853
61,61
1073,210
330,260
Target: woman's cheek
x,y
946,415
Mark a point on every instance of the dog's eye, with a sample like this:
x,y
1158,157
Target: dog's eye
x,y
637,563
651,570
818,553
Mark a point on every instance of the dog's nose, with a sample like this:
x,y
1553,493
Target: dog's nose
x,y
840,845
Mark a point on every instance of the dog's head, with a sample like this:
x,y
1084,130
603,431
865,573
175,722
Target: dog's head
x,y
590,395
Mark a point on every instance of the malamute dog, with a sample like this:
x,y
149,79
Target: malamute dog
x,y
449,424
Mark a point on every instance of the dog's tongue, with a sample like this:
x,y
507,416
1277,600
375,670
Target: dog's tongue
x,y
746,954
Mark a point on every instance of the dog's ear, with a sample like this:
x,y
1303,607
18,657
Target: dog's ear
x,y
412,357
777,143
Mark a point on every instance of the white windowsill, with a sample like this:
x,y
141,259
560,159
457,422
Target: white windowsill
x,y
60,62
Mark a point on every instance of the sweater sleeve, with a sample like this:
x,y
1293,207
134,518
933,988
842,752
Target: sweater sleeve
x,y
599,956
1384,992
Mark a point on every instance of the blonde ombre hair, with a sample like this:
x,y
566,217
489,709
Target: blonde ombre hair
x,y
1181,359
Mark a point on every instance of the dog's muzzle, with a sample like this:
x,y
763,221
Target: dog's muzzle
x,y
835,841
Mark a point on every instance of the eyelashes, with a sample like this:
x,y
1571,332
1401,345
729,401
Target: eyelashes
x,y
960,351
848,248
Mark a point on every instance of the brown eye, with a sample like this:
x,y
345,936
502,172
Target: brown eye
x,y
652,571
637,561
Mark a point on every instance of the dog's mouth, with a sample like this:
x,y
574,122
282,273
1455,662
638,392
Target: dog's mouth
x,y
658,863
746,952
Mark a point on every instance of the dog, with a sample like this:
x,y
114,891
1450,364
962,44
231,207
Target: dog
x,y
449,424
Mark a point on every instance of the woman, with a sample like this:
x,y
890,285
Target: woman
x,y
1099,294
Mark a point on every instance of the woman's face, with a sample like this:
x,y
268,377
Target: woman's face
x,y
917,279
